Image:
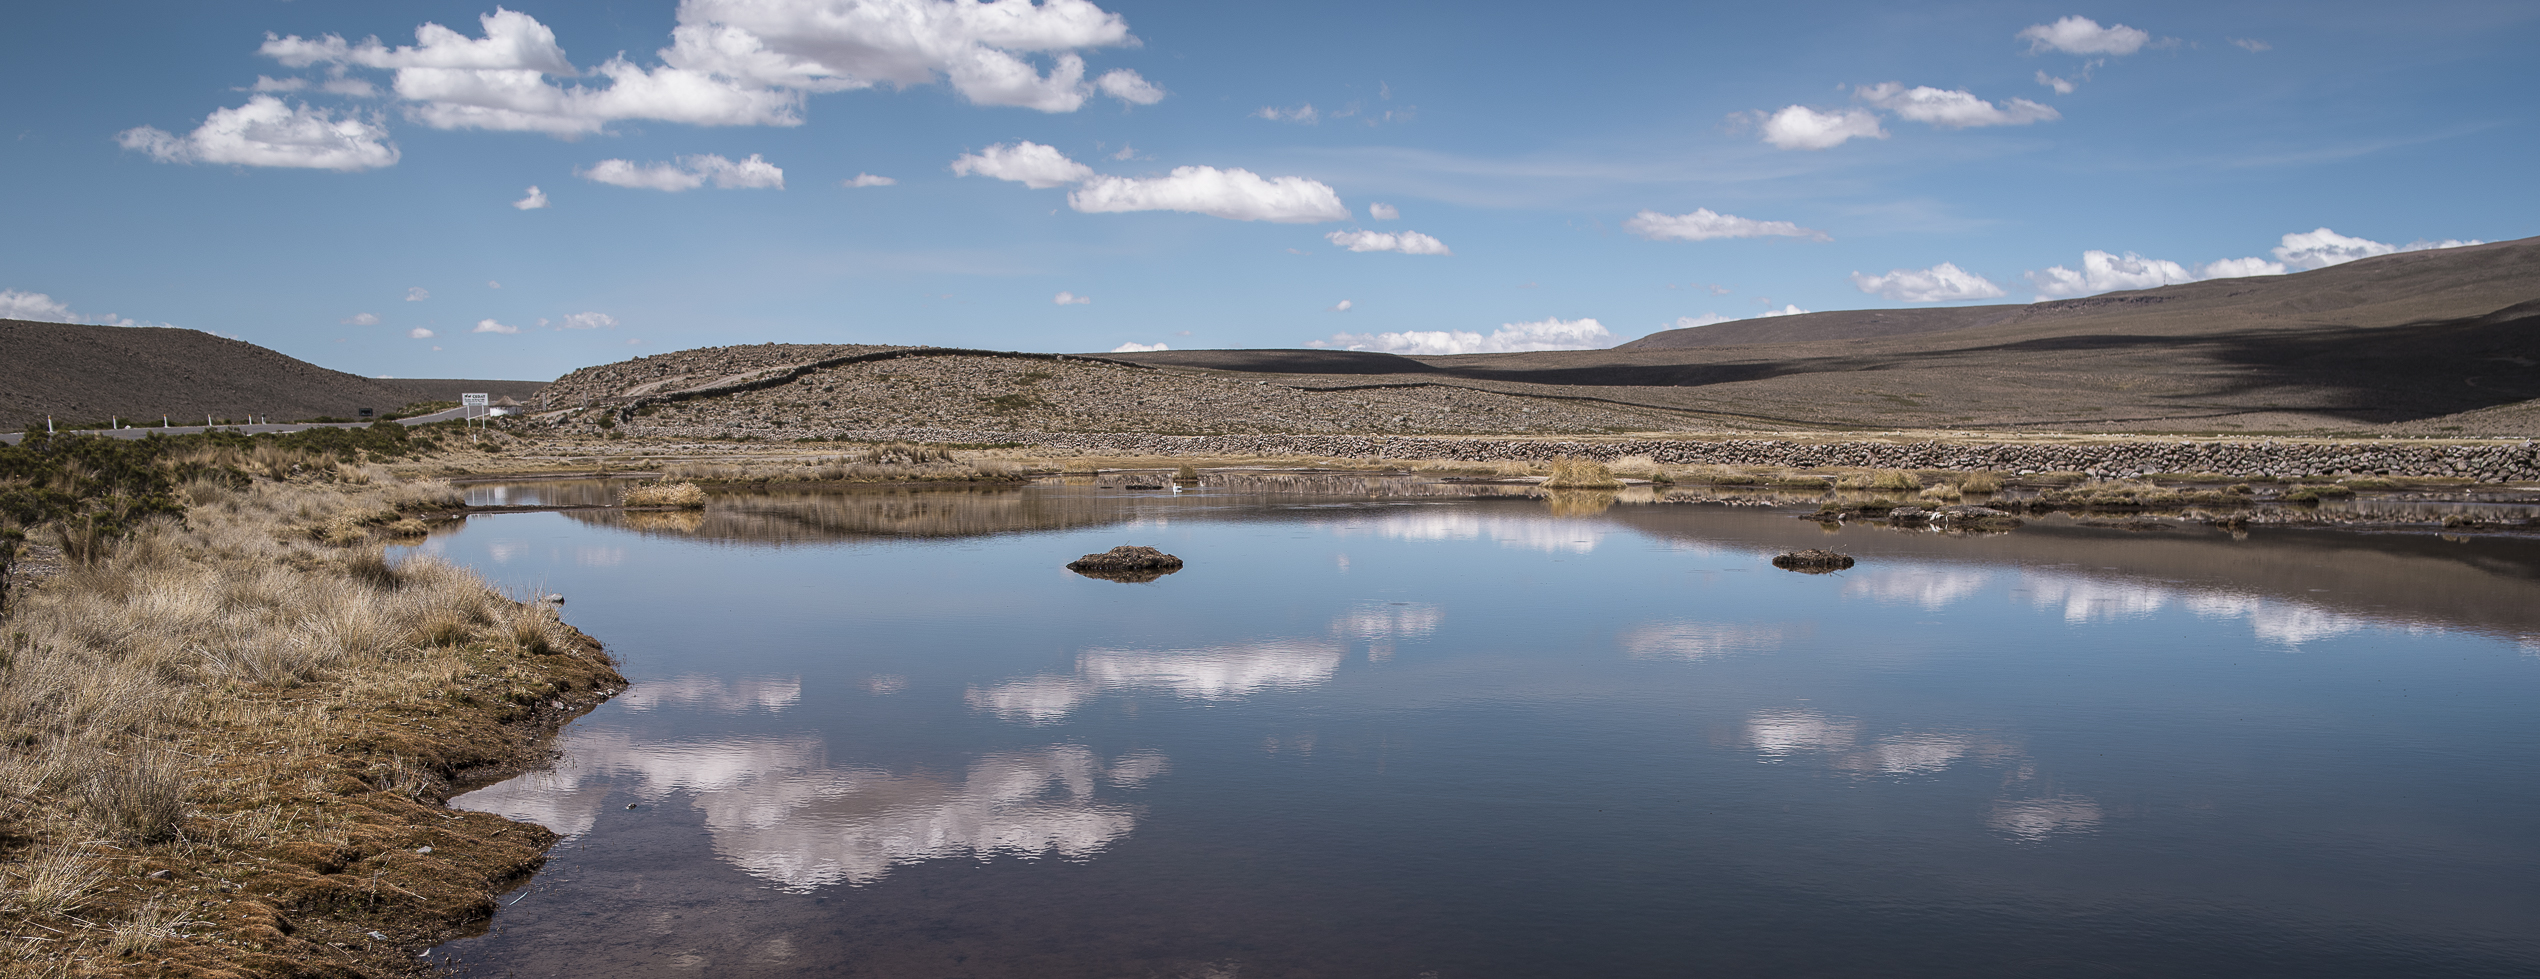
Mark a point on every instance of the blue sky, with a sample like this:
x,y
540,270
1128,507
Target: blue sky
x,y
334,180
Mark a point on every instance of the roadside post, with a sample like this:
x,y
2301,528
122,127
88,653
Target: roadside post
x,y
472,402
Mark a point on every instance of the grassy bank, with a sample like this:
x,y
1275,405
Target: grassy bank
x,y
230,721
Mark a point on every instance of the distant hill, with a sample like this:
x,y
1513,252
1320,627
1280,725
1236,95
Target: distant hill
x,y
2430,342
79,373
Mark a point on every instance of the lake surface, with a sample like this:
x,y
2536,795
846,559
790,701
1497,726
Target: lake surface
x,y
1395,728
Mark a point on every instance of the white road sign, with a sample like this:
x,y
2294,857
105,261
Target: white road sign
x,y
472,401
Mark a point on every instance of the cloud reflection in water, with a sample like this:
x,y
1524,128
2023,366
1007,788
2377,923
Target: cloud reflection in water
x,y
1214,673
775,809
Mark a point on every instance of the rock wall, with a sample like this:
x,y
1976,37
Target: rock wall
x,y
2483,461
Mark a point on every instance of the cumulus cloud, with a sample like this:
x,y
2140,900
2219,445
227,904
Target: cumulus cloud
x,y
1707,319
1024,162
1139,348
1799,127
267,133
2103,272
867,180
1071,299
1407,242
1342,306
1550,334
361,319
1127,86
689,173
489,326
1703,224
15,305
1940,283
2238,268
416,294
419,333
743,62
536,199
1235,194
2082,35
2322,248
2251,45
1952,108
2061,86
1303,113
1382,212
586,321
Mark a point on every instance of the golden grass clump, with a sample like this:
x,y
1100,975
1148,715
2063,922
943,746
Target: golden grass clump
x,y
213,695
1980,482
1569,472
682,495
1883,480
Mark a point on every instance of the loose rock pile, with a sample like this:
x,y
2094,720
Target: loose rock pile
x,y
1127,563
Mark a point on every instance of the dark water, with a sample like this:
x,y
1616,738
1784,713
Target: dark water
x,y
1378,730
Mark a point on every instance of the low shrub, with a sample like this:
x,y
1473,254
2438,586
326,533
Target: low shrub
x,y
1569,472
682,495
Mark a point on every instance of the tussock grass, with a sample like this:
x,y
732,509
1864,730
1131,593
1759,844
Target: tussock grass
x,y
1574,473
685,495
196,692
1883,480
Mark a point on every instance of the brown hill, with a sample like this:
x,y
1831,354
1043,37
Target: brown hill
x,y
2431,342
80,373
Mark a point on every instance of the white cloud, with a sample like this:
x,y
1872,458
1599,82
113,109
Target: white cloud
x,y
1234,194
1408,242
1342,306
1127,86
15,305
2251,45
979,48
416,294
867,180
2238,268
2082,35
536,199
361,319
2103,272
351,87
267,133
2060,86
586,321
1951,108
1030,164
1126,152
1303,113
1944,282
1139,348
1382,212
1071,299
689,173
1703,224
2322,248
264,84
419,333
1799,127
489,326
740,63
492,284
1707,319
1550,334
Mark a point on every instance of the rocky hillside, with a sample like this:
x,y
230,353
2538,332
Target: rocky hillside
x,y
774,392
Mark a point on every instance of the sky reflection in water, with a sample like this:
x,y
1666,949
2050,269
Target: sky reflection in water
x,y
1477,738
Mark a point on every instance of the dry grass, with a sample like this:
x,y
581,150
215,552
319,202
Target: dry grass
x,y
1574,473
1883,480
194,695
683,495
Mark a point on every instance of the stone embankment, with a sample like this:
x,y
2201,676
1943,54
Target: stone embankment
x,y
2278,458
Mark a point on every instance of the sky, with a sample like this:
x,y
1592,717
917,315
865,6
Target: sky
x,y
458,189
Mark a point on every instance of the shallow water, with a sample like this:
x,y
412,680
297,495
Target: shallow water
x,y
1375,729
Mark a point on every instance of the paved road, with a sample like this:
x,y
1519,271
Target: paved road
x,y
12,438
